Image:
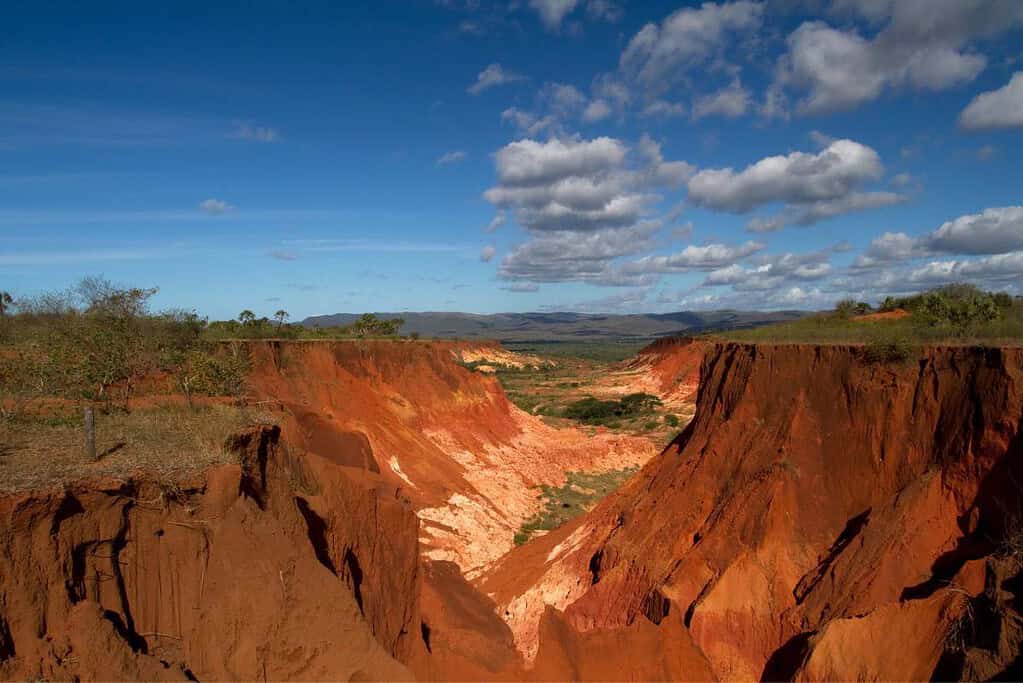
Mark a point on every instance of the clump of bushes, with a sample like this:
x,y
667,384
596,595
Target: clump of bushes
x,y
848,308
895,350
593,411
958,309
97,343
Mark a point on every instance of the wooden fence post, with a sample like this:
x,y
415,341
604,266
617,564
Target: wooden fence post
x,y
90,434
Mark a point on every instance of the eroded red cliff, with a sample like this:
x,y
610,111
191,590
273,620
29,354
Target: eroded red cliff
x,y
468,459
269,569
823,517
818,504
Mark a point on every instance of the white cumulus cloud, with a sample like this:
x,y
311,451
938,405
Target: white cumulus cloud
x,y
1002,108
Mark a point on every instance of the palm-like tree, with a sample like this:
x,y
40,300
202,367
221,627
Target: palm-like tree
x,y
280,316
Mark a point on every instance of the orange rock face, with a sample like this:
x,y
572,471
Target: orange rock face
x,y
821,518
814,499
467,458
235,576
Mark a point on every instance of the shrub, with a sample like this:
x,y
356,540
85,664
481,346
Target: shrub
x,y
651,425
846,308
594,411
958,307
888,351
671,420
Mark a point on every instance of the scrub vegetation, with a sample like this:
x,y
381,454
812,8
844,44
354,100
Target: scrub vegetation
x,y
955,314
580,493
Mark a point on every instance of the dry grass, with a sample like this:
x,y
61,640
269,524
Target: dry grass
x,y
165,441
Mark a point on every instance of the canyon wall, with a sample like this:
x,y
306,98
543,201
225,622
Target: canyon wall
x,y
267,569
822,517
467,458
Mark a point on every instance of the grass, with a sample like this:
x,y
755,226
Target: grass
x,y
611,351
580,493
894,335
575,392
168,441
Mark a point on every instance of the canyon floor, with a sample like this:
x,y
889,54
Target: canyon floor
x,y
433,510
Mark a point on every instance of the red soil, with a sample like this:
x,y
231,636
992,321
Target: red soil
x,y
467,458
821,518
817,518
895,314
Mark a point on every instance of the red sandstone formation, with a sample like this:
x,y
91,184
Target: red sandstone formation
x,y
468,458
823,517
672,366
252,571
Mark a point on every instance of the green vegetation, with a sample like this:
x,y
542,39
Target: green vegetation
x,y
610,351
96,343
248,326
593,411
581,491
956,314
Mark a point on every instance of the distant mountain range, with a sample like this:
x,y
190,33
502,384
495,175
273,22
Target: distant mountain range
x,y
532,327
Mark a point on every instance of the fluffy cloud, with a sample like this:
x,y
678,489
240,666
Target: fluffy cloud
x,y
990,270
660,55
994,231
580,184
531,163
731,101
596,110
812,186
214,207
889,247
706,257
491,77
772,272
451,157
925,44
572,256
1002,108
585,203
487,253
814,212
553,12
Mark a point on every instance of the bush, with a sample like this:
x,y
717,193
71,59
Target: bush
x,y
960,308
651,425
846,308
594,411
888,351
671,420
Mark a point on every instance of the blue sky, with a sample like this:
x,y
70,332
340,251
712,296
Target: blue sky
x,y
590,155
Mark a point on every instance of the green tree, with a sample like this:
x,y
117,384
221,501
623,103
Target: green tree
x,y
6,301
846,308
281,316
247,318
